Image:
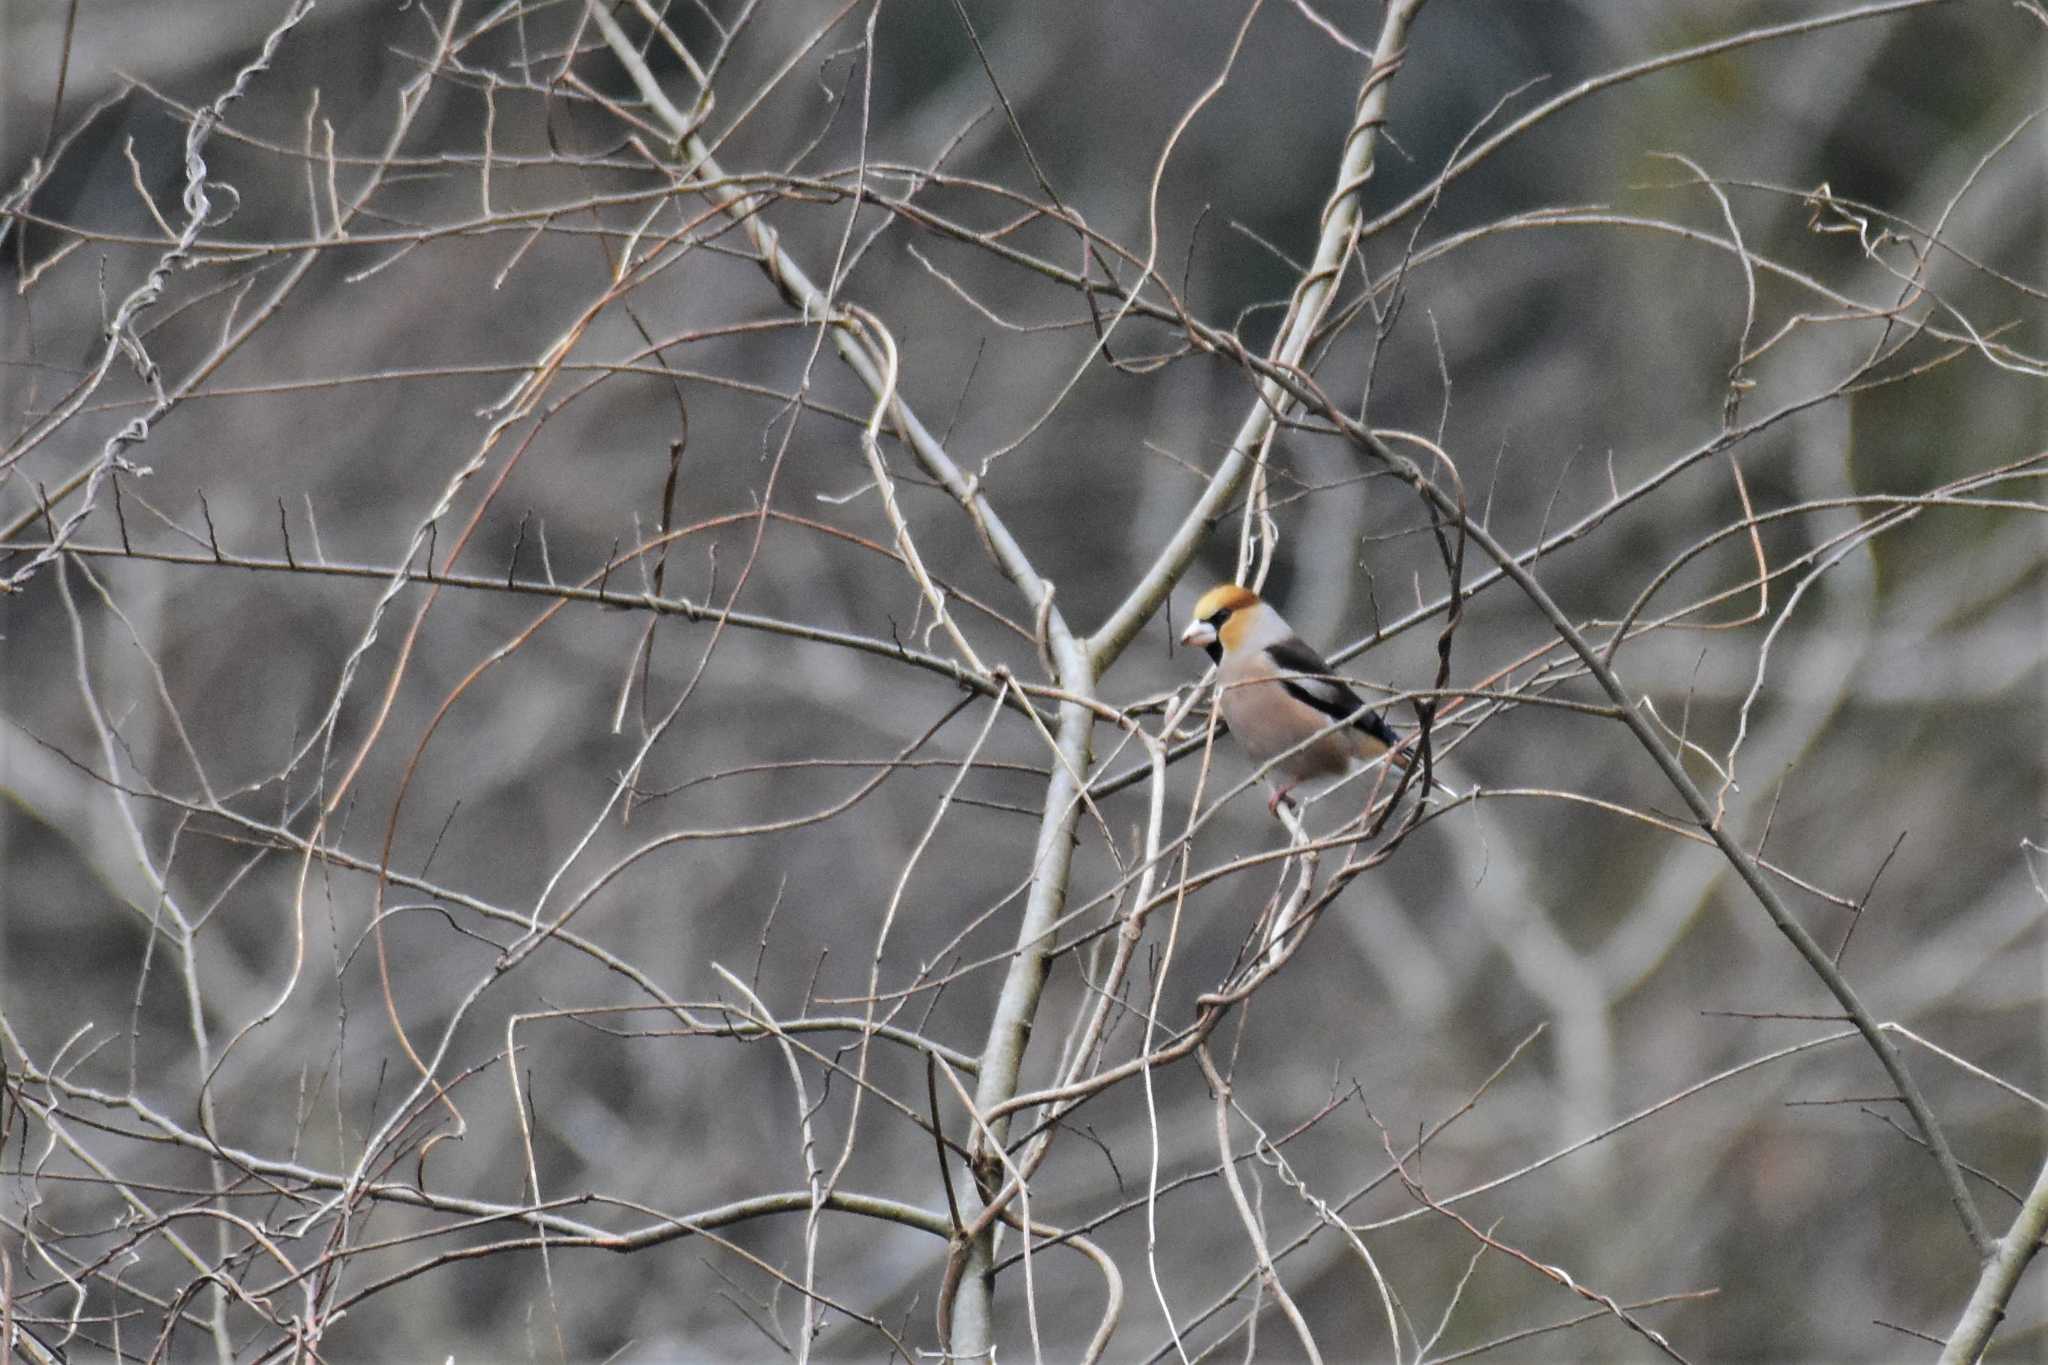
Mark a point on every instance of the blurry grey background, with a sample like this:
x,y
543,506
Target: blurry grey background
x,y
1902,701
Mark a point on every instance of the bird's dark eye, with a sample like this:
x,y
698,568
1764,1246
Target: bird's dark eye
x,y
1220,617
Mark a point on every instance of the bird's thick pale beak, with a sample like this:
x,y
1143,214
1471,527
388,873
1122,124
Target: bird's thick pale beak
x,y
1200,634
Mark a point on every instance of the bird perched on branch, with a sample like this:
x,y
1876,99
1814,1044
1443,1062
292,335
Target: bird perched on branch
x,y
1286,705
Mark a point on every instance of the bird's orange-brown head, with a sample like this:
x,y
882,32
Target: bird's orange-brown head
x,y
1223,613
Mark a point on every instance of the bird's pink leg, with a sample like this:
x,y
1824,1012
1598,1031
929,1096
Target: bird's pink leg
x,y
1279,795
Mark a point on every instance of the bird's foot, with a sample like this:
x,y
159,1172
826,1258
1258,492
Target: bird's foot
x,y
1279,794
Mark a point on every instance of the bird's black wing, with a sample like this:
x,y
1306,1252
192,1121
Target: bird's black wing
x,y
1320,688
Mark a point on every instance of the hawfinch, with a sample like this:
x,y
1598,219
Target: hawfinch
x,y
1284,704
